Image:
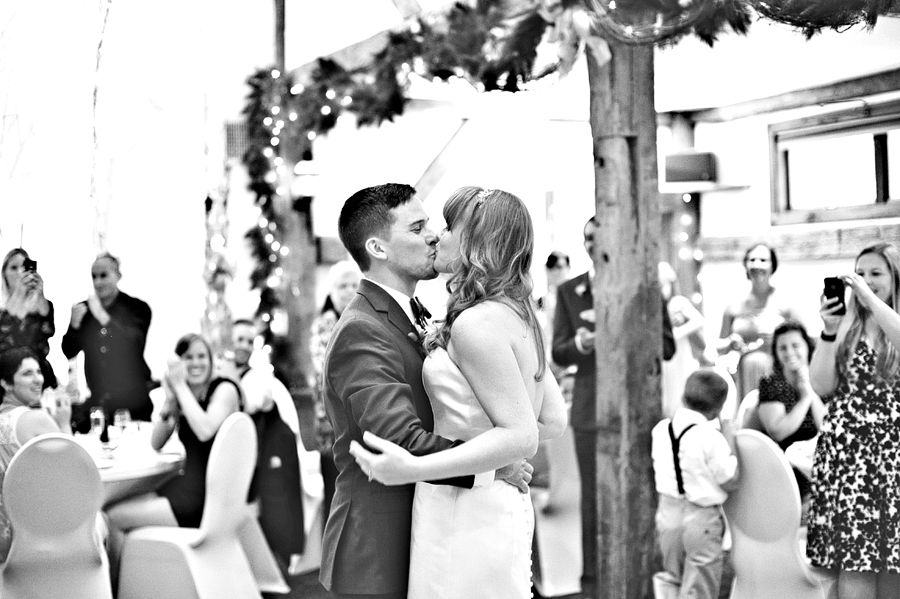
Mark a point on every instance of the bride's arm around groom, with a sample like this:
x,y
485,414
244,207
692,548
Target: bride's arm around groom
x,y
490,350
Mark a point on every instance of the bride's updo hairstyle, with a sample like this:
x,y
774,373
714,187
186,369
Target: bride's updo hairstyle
x,y
496,243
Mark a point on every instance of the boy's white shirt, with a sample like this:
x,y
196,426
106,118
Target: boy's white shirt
x,y
705,457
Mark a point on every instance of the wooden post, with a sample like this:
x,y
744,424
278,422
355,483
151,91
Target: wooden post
x,y
629,316
297,292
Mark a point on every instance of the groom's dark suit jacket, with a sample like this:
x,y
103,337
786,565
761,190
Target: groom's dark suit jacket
x,y
373,382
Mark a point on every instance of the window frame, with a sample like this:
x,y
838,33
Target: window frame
x,y
860,118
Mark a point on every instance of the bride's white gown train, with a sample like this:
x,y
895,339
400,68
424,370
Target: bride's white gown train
x,y
472,543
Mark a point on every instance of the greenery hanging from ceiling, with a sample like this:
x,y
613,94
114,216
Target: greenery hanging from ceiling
x,y
491,44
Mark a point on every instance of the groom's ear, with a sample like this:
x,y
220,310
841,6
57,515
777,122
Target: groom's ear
x,y
375,247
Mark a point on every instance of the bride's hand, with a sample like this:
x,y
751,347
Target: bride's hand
x,y
393,465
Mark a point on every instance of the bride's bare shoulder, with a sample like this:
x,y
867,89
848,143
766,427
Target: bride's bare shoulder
x,y
490,314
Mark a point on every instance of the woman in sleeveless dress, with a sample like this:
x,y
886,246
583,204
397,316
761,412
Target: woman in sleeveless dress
x,y
854,520
490,386
196,405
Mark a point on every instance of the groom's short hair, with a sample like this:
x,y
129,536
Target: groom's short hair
x,y
368,212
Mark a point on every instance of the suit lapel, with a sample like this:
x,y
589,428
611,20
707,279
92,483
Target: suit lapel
x,y
385,304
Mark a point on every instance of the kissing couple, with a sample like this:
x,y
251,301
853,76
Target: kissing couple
x,y
460,406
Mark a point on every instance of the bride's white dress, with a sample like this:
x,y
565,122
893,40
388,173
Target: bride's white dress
x,y
467,542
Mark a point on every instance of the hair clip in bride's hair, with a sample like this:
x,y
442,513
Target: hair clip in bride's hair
x,y
482,195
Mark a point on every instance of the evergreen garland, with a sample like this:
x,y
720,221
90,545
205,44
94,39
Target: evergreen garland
x,y
493,44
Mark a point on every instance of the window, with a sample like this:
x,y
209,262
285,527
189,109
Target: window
x,y
837,166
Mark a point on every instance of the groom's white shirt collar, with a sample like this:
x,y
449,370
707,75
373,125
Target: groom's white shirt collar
x,y
400,297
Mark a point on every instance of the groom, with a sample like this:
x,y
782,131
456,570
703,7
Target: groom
x,y
373,382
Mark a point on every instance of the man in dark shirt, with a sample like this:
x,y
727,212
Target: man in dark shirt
x,y
110,327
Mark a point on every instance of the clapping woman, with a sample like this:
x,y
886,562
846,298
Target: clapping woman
x,y
789,407
854,517
196,405
26,316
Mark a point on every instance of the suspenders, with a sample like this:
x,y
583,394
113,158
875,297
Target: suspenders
x,y
676,442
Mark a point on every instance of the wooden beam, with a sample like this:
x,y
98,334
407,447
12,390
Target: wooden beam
x,y
628,344
886,81
840,243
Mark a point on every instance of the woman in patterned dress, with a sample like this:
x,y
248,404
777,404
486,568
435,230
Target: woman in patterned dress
x,y
854,520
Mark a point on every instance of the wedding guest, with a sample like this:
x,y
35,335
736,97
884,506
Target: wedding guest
x,y
22,418
110,327
748,323
687,331
276,481
789,408
694,464
343,280
854,523
573,345
196,404
26,316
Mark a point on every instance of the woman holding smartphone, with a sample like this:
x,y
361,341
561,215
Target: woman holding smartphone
x,y
854,518
26,316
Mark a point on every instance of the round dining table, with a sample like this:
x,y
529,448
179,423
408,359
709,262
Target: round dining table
x,y
131,468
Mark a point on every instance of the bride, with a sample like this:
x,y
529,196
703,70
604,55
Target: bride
x,y
489,384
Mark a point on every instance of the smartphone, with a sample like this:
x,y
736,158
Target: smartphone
x,y
834,287
29,265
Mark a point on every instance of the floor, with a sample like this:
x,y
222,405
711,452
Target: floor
x,y
554,531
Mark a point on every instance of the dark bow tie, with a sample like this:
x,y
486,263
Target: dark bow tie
x,y
420,313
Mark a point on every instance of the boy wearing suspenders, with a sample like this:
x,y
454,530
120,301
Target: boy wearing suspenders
x,y
694,462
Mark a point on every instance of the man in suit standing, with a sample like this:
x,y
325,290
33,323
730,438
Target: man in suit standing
x,y
573,344
373,382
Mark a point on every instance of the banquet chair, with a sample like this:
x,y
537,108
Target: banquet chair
x,y
206,562
730,407
52,493
262,561
764,516
748,413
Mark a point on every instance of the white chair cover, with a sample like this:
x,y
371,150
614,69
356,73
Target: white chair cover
x,y
206,562
764,517
52,492
748,412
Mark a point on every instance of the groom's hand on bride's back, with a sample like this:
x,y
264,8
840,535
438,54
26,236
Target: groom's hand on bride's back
x,y
517,474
